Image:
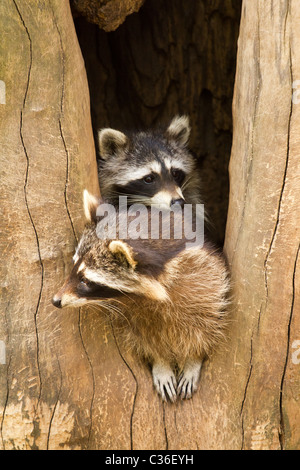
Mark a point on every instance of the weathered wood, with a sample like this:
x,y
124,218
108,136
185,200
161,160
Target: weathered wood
x,y
47,158
250,390
108,14
66,382
263,228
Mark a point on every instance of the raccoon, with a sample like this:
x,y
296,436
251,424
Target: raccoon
x,y
152,168
167,302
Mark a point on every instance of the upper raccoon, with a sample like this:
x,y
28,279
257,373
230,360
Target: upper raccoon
x,y
152,167
171,299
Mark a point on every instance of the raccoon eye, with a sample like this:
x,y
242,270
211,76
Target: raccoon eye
x,y
178,175
82,280
148,179
84,287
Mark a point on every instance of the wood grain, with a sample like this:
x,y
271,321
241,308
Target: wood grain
x,y
262,239
108,14
46,143
67,382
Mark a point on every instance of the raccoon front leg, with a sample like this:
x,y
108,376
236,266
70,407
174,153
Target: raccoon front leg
x,y
189,379
164,380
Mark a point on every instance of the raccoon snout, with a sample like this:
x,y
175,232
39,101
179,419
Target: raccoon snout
x,y
56,302
179,202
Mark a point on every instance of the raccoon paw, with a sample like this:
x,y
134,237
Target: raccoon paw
x,y
188,379
164,381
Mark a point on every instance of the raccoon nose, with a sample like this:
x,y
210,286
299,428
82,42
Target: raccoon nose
x,y
179,202
56,302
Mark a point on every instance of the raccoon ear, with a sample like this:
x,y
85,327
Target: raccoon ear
x,y
111,142
179,130
90,205
123,252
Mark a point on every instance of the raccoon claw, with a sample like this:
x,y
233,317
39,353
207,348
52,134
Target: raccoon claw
x,y
188,380
186,388
164,381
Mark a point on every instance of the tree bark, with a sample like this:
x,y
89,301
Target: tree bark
x,y
65,381
108,14
263,228
47,159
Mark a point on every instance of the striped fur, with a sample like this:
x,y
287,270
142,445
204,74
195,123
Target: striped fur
x,y
167,302
126,159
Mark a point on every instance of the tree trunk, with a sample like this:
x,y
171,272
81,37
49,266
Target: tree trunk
x,y
47,159
65,382
263,231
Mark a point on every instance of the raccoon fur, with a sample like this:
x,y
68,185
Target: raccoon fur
x,y
153,167
167,302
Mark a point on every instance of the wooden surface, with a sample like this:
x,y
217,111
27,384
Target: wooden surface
x,y
47,159
108,14
66,382
263,231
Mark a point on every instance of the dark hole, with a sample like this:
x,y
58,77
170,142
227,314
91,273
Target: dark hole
x,y
171,57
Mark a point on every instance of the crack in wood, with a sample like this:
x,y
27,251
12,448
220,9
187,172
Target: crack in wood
x,y
282,425
93,378
283,184
5,404
136,385
27,205
272,241
245,394
287,12
7,375
255,113
60,124
54,408
165,426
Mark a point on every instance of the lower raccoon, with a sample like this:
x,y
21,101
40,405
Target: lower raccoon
x,y
171,299
152,168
